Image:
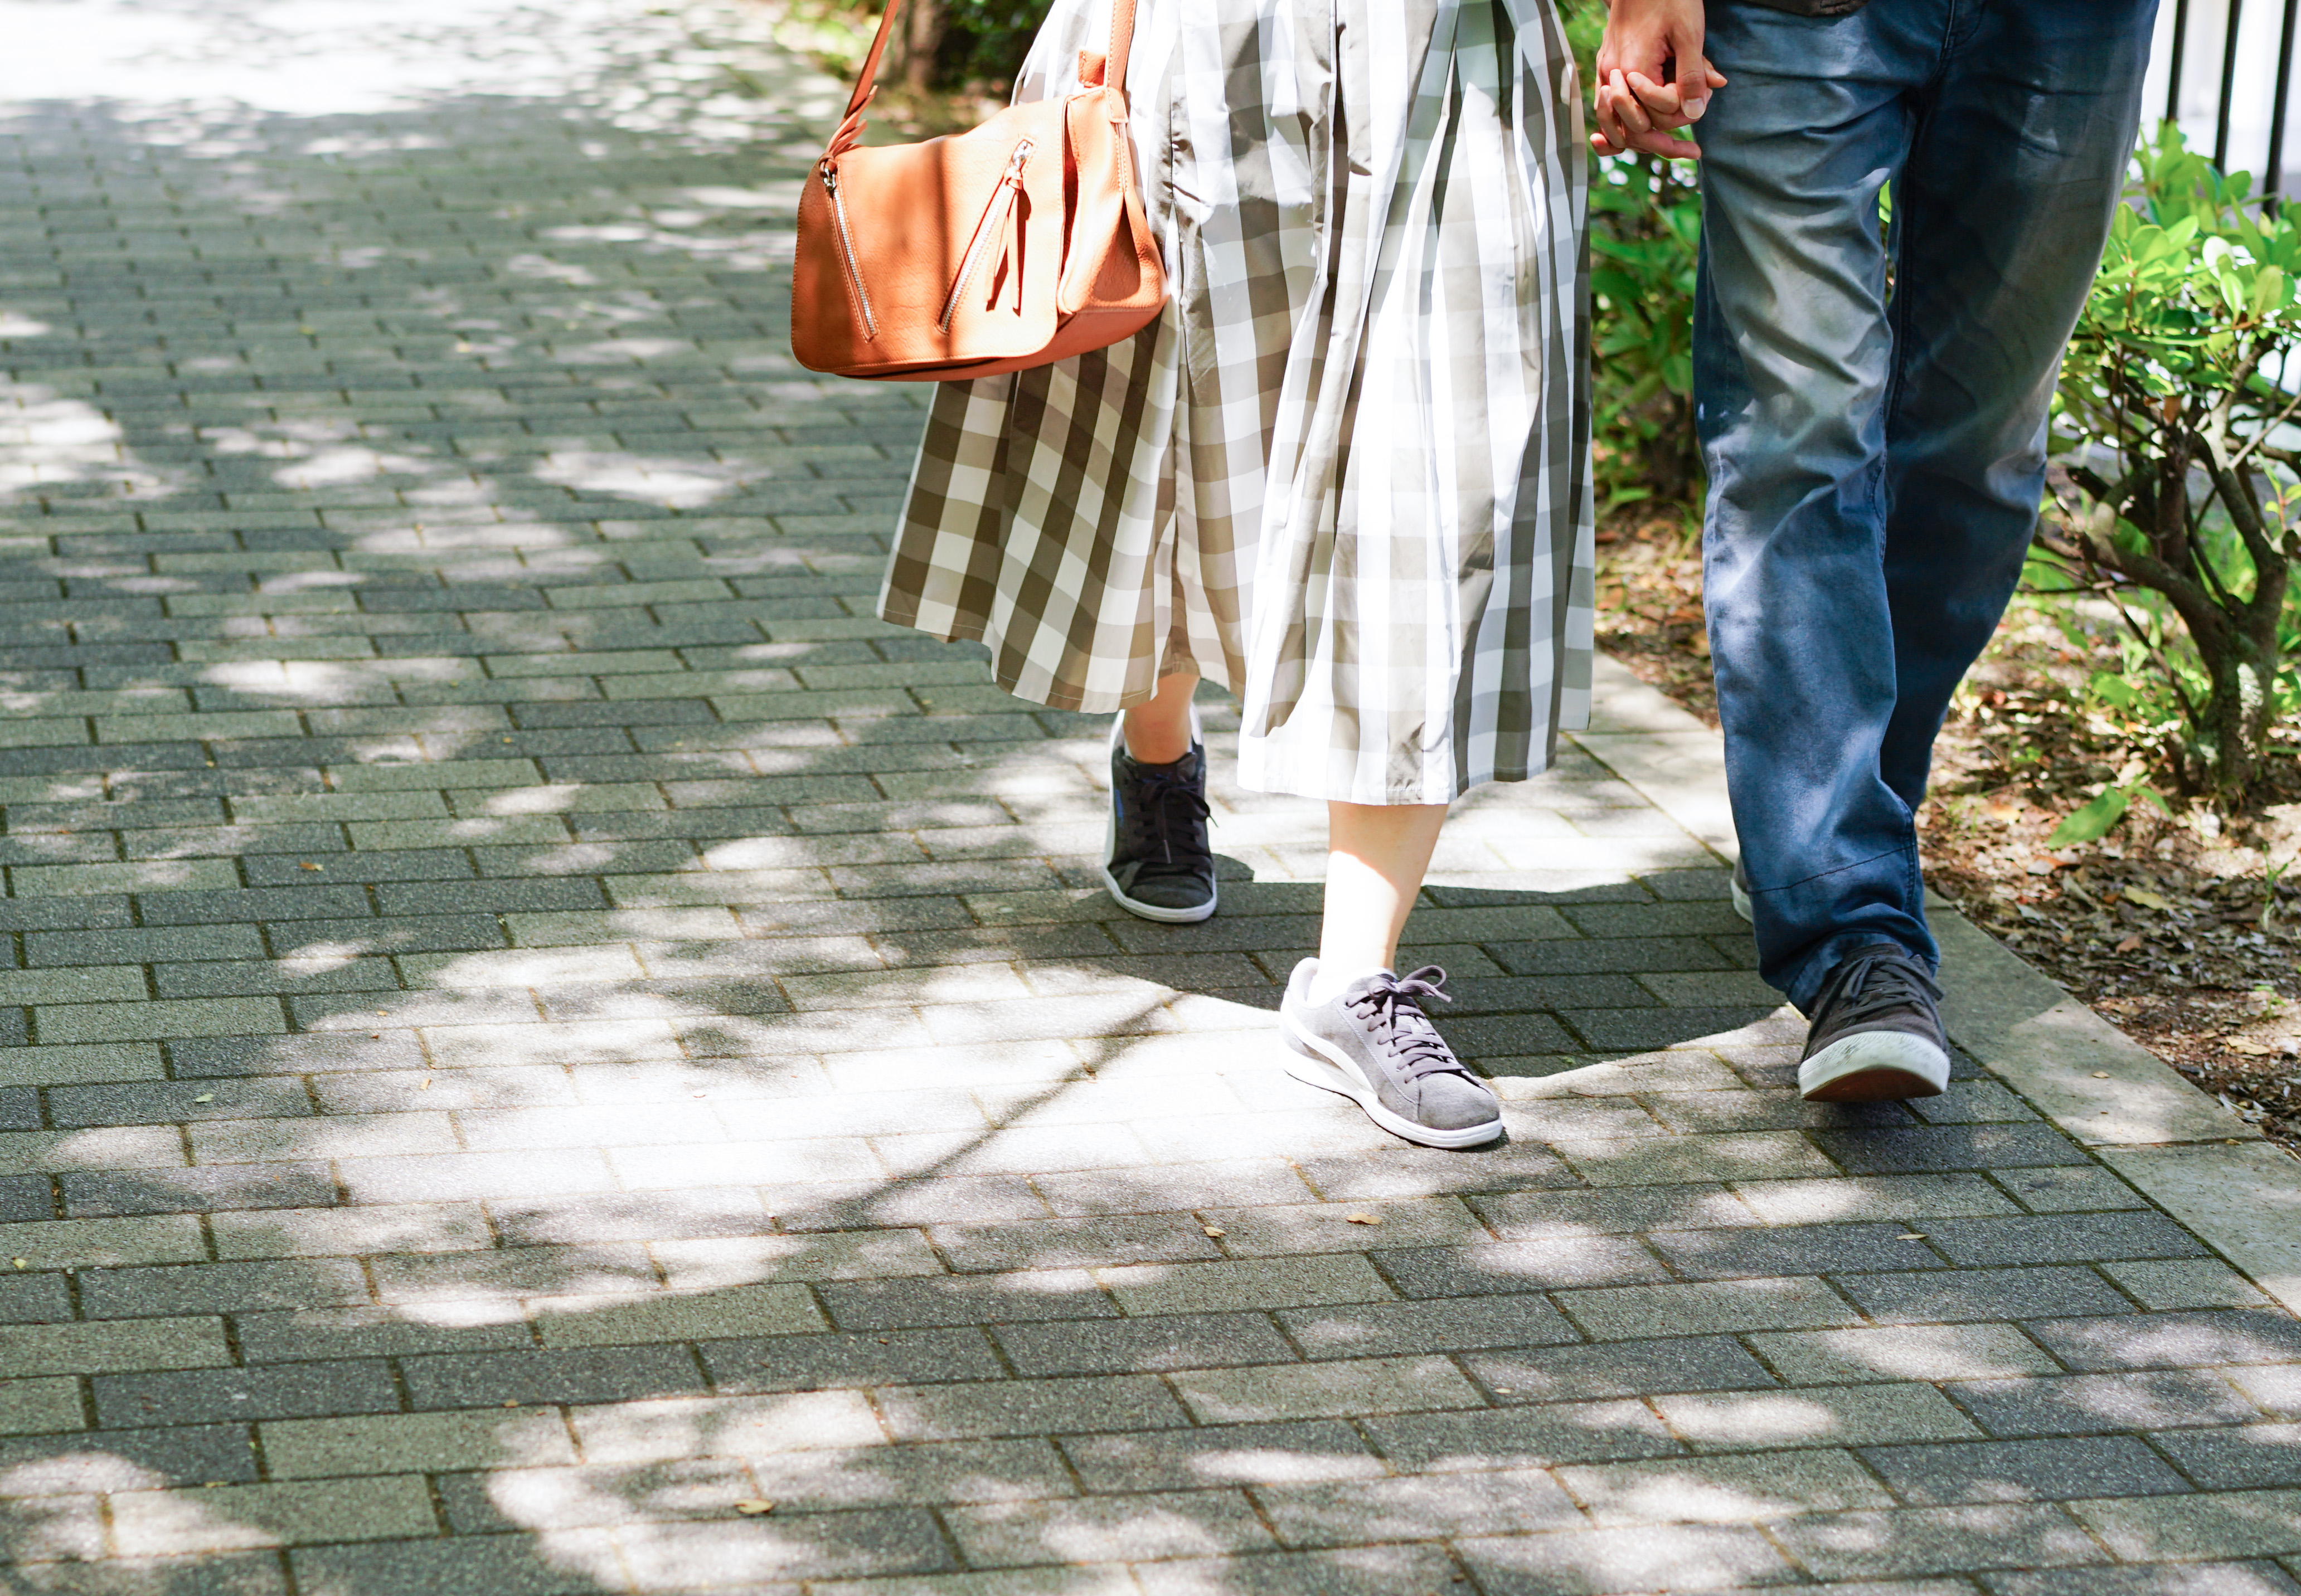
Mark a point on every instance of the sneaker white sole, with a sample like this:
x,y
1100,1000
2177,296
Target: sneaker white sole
x,y
1741,901
1874,1066
1189,916
1313,1063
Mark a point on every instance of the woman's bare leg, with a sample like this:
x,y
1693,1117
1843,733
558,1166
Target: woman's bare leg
x,y
1377,855
1159,732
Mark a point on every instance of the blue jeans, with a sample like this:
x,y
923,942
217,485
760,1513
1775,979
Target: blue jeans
x,y
1877,455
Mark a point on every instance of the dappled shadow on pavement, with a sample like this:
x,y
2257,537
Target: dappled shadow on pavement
x,y
538,1027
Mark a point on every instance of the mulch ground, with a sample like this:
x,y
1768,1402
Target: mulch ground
x,y
2181,931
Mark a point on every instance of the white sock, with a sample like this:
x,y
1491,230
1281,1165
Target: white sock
x,y
1330,983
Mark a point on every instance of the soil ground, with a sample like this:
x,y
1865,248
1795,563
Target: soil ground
x,y
2180,930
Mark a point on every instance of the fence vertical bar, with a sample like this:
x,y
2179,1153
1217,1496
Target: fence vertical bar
x,y
2276,176
2180,48
2228,85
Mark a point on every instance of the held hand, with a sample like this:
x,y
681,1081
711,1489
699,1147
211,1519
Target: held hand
x,y
1645,90
1637,113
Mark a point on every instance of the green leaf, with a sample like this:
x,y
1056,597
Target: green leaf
x,y
2113,689
2093,821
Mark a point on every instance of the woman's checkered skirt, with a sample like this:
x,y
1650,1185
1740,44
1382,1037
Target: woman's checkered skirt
x,y
1347,471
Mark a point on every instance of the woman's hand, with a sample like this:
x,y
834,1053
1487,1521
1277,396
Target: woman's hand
x,y
1644,94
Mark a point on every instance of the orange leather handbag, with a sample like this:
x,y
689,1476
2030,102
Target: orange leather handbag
x,y
1017,244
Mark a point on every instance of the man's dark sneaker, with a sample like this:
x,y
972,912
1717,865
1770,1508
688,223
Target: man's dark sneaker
x,y
1877,1036
1739,887
1158,863
1376,1046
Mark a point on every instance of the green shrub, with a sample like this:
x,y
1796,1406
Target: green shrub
x,y
1646,238
2183,475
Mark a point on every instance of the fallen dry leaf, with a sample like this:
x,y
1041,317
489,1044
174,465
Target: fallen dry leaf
x,y
754,1507
307,864
2101,1074
2131,945
2250,1048
1366,1218
1215,1231
2146,898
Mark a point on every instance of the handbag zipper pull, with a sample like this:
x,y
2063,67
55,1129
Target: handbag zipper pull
x,y
986,229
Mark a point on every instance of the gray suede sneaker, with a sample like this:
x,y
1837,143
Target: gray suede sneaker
x,y
1738,888
1877,1036
1376,1046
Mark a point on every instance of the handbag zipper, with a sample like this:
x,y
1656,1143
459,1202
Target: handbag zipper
x,y
994,216
846,250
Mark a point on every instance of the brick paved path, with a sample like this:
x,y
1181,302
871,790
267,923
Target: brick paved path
x,y
536,1023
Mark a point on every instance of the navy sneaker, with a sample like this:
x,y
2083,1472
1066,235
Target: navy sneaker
x,y
1877,1035
1157,862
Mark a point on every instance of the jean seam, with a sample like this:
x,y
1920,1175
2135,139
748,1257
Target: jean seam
x,y
1909,848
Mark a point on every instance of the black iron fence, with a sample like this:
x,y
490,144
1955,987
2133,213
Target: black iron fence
x,y
2223,70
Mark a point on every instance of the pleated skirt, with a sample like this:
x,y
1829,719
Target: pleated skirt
x,y
1346,472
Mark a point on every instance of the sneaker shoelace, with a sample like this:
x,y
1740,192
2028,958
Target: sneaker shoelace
x,y
1875,984
1163,814
1393,1009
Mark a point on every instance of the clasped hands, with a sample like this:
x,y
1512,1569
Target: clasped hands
x,y
1644,95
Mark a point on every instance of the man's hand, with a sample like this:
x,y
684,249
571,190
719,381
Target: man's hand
x,y
1653,78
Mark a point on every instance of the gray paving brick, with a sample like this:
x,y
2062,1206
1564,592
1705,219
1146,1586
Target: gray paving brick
x,y
1600,1562
1792,1250
2186,1282
1947,1146
2232,1524
823,1360
127,1459
1620,1369
1029,1407
1545,1264
2173,1341
1715,1489
1452,1324
1416,1507
1147,1527
1144,1346
383,1443
499,1564
2060,1238
2240,1459
2191,1579
220,1288
244,1395
271,1513
286,1185
534,1375
1513,1437
1220,1454
2096,1404
986,1300
1623,1312
1916,1541
2009,1470
25,1197
1913,1352
1974,1294
355,1333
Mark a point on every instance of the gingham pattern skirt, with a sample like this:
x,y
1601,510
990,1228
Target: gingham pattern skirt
x,y
1347,471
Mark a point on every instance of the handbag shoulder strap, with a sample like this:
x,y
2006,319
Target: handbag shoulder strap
x,y
867,81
